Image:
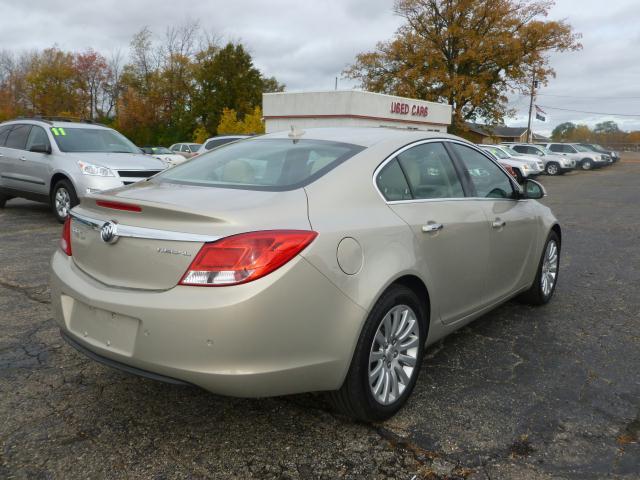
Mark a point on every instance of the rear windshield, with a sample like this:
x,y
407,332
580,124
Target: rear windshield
x,y
92,140
265,164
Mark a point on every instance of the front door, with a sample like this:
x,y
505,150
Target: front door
x,y
512,222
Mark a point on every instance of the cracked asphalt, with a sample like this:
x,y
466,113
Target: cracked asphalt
x,y
522,393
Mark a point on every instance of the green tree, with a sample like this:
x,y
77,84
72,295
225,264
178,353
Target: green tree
x,y
468,53
607,127
563,131
227,78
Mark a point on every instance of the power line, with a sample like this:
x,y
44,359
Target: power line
x,y
592,113
580,97
585,97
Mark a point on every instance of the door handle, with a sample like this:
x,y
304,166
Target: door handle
x,y
23,158
497,223
432,227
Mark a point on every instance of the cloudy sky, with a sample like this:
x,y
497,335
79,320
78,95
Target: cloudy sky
x,y
306,44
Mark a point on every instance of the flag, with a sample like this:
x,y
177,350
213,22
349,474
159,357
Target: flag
x,y
540,114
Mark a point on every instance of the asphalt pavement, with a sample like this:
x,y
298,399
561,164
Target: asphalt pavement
x,y
522,393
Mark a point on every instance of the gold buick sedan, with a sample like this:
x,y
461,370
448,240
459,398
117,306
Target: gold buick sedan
x,y
318,260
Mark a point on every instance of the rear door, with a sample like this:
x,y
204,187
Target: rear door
x,y
512,222
423,187
5,164
13,173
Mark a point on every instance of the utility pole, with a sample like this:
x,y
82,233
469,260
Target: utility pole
x,y
336,87
533,89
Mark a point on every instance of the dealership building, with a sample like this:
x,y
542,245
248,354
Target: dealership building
x,y
351,108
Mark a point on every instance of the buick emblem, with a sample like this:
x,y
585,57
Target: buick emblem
x,y
109,232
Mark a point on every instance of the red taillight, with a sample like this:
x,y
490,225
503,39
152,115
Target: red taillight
x,y
118,206
65,240
245,257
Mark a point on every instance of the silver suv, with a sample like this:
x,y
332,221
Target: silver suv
x,y
59,162
554,164
584,157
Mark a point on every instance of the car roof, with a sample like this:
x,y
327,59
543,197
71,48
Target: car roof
x,y
54,123
363,136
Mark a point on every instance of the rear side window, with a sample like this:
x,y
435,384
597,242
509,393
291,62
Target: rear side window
x,y
488,179
266,164
430,172
18,137
4,133
392,183
211,144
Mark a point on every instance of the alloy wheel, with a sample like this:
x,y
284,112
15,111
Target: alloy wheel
x,y
62,202
549,268
552,169
394,354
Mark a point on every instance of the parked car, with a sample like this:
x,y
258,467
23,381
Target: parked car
x,y
187,150
584,157
509,169
60,162
323,260
554,164
594,147
170,158
213,142
536,166
519,168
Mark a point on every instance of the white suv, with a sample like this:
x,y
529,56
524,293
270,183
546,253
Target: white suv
x,y
554,164
585,158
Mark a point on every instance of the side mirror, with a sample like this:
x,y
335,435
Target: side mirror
x,y
532,189
41,148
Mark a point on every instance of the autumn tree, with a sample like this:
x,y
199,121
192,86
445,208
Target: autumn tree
x,y
250,125
52,83
467,53
92,73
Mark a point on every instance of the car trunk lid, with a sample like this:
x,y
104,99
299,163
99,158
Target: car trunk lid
x,y
152,248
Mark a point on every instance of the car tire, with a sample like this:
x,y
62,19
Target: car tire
x,y
4,199
63,199
552,168
357,397
540,292
586,164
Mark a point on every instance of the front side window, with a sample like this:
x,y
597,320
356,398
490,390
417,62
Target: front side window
x,y
488,179
37,137
581,148
266,164
430,172
92,140
185,149
194,147
18,137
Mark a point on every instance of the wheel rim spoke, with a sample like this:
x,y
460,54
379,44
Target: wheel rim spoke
x,y
393,354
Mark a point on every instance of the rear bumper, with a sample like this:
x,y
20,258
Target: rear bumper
x,y
289,332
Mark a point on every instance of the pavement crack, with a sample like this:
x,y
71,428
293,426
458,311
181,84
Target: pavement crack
x,y
27,291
